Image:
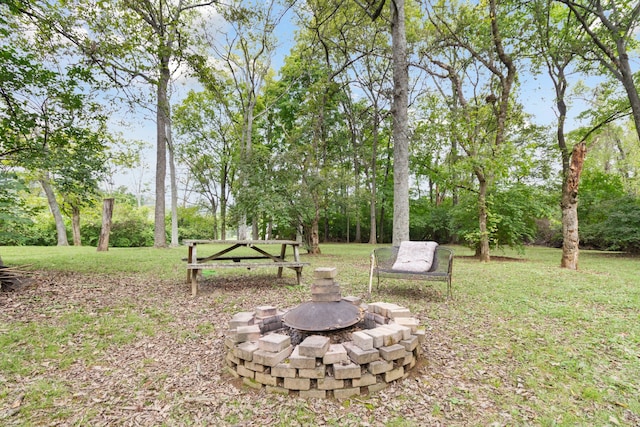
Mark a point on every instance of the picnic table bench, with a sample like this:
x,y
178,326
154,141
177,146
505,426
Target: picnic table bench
x,y
221,258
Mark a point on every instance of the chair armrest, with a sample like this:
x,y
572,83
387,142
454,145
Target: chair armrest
x,y
385,257
442,261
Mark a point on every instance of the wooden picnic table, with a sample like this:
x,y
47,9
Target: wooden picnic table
x,y
224,259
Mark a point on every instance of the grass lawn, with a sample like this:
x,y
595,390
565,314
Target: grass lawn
x,y
523,342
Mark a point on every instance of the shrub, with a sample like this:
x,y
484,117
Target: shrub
x,y
512,215
14,213
619,228
194,225
130,227
429,222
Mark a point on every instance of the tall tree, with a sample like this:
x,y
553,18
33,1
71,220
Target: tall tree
x,y
372,74
611,26
400,114
50,126
246,51
482,31
129,41
555,34
206,133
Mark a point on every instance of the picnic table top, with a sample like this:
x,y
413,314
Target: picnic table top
x,y
243,242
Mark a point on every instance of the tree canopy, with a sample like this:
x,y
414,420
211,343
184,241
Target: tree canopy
x,y
383,121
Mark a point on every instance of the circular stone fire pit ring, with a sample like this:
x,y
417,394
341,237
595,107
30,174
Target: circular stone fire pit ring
x,y
383,347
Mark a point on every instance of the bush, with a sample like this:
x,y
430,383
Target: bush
x,y
430,222
512,216
14,213
130,227
194,225
619,229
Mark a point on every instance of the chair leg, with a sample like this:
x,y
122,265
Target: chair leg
x,y
371,276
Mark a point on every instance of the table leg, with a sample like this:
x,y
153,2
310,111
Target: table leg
x,y
194,282
189,259
296,258
283,251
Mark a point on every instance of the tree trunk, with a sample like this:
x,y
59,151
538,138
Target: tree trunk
x,y
159,231
105,231
388,167
628,81
75,225
400,124
255,233
214,212
242,228
315,233
373,239
223,203
61,230
569,205
482,250
174,186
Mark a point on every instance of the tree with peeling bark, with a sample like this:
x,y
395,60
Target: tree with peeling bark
x,y
568,40
554,33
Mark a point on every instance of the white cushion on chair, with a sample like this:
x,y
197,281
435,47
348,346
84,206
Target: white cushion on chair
x,y
415,257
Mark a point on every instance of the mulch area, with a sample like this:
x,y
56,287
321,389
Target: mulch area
x,y
175,375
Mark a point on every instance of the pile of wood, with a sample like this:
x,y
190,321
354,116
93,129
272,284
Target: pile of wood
x,y
13,278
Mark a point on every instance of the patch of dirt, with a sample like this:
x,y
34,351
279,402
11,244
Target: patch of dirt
x,y
174,374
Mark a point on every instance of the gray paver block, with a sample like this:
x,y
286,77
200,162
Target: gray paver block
x,y
274,342
393,352
314,346
336,354
245,350
348,371
325,273
301,362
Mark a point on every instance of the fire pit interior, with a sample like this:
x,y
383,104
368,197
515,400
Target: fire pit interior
x,y
328,347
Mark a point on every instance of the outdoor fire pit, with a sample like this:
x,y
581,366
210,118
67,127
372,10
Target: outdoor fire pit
x,y
328,347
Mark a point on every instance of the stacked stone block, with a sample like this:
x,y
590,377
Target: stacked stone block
x,y
384,350
324,287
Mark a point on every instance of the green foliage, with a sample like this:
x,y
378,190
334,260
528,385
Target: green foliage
x,y
608,210
42,232
596,188
511,221
14,213
192,224
131,227
430,222
609,218
620,230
